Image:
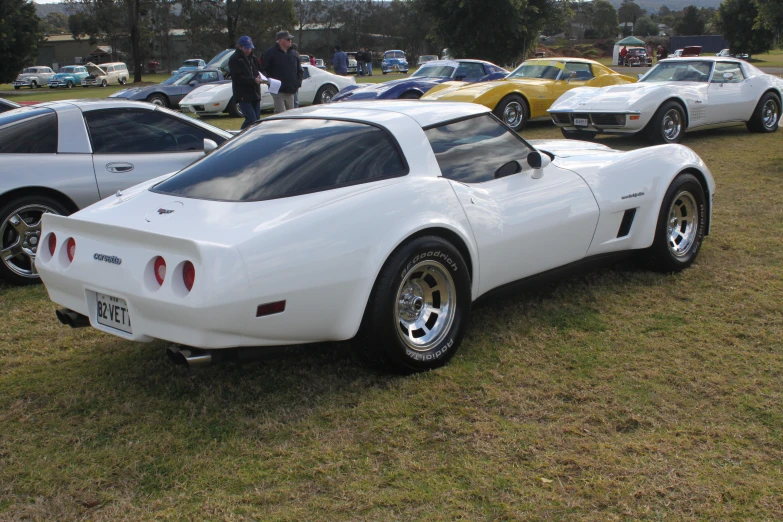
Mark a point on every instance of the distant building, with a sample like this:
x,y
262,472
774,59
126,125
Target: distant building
x,y
62,49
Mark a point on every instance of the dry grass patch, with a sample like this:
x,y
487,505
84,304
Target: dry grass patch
x,y
615,394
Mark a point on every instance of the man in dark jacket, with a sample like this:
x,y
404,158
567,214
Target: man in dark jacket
x,y
368,61
281,65
245,81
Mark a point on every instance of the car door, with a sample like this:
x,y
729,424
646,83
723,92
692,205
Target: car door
x,y
309,87
525,221
133,145
728,99
583,74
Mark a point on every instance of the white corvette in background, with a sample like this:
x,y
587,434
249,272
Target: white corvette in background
x,y
678,95
380,220
317,87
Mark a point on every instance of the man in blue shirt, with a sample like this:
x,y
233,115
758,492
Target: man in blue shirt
x,y
340,61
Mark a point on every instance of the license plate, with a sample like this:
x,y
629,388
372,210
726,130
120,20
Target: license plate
x,y
113,312
580,122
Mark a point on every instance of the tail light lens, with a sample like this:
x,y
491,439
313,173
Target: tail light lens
x,y
188,275
70,247
52,244
160,269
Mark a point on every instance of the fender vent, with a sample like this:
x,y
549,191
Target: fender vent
x,y
625,225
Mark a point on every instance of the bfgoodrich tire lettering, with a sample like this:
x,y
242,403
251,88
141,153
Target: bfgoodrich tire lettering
x,y
418,310
681,224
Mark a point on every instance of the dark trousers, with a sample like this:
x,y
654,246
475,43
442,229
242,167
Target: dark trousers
x,y
251,111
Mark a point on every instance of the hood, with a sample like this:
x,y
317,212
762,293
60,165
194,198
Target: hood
x,y
209,92
63,75
614,98
570,148
95,70
27,75
467,92
134,91
377,90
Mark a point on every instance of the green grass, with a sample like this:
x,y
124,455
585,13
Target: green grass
x,y
616,394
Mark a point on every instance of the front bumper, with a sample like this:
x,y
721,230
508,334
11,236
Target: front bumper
x,y
607,122
60,83
93,81
22,83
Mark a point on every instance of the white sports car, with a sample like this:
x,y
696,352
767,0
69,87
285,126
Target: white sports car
x,y
678,95
317,87
381,221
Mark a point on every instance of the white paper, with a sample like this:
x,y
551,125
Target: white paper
x,y
274,86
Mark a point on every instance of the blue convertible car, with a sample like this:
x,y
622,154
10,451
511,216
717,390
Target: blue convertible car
x,y
170,92
425,78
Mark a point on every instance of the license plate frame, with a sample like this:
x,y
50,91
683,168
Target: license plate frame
x,y
113,312
581,122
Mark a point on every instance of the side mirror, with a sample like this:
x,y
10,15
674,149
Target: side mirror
x,y
639,76
193,84
209,145
727,77
507,169
572,75
538,161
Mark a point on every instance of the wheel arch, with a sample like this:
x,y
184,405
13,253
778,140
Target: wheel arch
x,y
682,104
518,93
707,196
44,191
159,93
774,90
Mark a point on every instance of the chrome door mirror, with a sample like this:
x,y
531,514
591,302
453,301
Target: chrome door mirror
x,y
538,162
639,76
572,75
209,145
727,77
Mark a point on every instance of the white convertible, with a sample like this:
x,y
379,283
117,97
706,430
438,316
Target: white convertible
x,y
678,95
381,220
317,87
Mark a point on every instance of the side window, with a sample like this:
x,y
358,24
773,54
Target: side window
x,y
110,69
306,73
137,132
472,150
208,77
722,68
470,70
33,135
582,70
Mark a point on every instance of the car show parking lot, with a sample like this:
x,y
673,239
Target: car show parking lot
x,y
613,393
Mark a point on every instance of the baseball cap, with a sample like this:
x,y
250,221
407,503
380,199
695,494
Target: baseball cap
x,y
283,35
246,42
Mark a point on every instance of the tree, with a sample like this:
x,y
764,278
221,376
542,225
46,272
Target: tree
x,y
500,31
770,15
691,23
736,20
629,11
54,23
19,37
604,19
645,27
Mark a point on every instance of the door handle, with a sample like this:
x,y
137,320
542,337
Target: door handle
x,y
119,167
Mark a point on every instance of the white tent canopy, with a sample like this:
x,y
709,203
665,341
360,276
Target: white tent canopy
x,y
628,42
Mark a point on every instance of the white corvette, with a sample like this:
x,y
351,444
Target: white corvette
x,y
377,220
676,96
317,87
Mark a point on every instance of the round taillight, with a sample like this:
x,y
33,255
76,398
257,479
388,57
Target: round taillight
x,y
70,248
188,275
52,244
160,269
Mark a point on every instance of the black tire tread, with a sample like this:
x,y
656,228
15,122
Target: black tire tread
x,y
755,124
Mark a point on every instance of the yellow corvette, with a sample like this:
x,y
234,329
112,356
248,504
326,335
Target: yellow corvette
x,y
530,89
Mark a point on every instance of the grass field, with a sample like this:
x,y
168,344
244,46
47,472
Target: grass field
x,y
616,394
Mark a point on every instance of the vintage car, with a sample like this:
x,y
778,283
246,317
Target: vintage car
x,y
726,53
61,156
68,76
319,63
394,61
8,105
352,63
170,92
33,77
318,86
425,78
380,221
678,95
637,57
193,64
106,74
528,91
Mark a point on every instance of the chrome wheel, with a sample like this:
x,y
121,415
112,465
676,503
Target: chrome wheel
x,y
20,238
672,124
770,114
425,305
157,100
683,224
513,114
327,94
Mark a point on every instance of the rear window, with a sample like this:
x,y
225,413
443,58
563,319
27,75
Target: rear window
x,y
288,157
28,132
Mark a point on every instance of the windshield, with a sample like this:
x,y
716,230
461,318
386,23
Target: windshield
x,y
190,63
180,79
68,69
394,54
434,71
219,58
535,70
679,71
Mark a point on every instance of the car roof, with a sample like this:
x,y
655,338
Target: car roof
x,y
425,113
562,59
94,104
704,59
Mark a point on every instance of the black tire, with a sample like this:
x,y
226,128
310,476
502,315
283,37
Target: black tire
x,y
20,270
427,273
384,72
233,109
33,84
578,135
17,87
667,124
51,86
684,206
123,80
69,85
104,83
766,115
85,86
411,95
325,94
159,100
513,111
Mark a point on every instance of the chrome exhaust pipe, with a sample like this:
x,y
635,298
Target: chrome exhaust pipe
x,y
189,358
71,318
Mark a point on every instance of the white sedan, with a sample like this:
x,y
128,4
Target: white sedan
x,y
381,221
678,95
317,87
